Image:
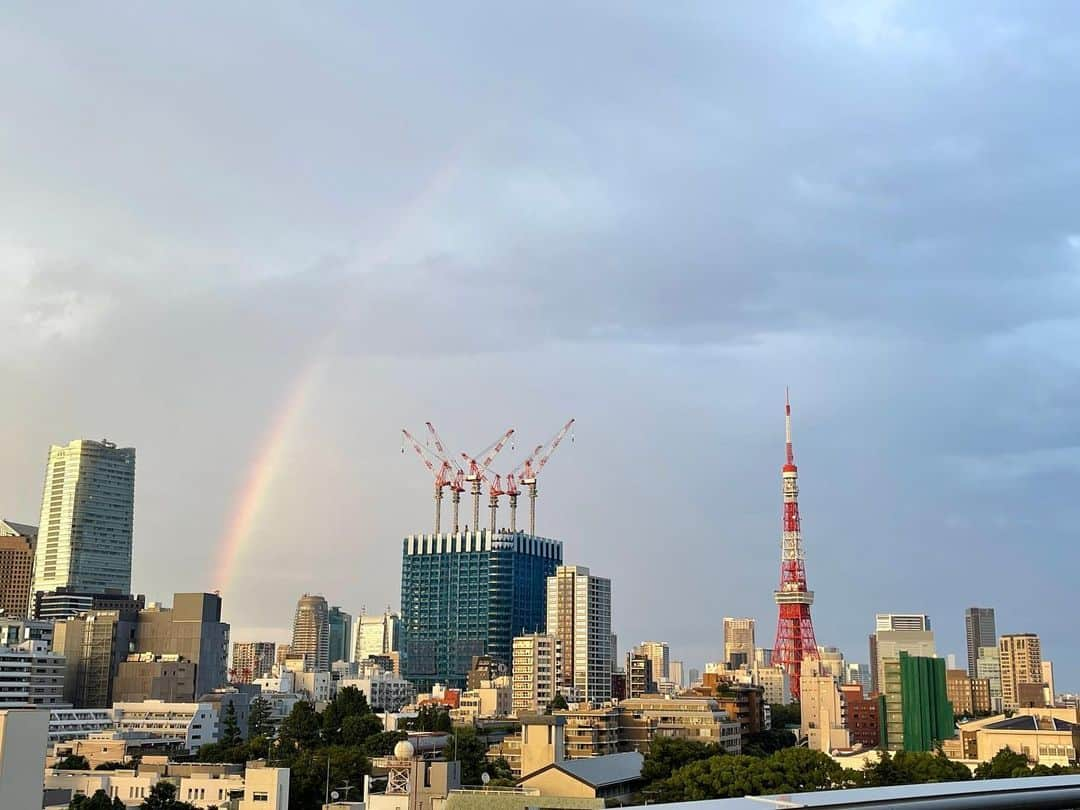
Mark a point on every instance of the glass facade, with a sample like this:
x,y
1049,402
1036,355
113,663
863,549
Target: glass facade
x,y
469,594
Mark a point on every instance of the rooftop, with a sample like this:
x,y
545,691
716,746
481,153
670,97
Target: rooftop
x,y
612,769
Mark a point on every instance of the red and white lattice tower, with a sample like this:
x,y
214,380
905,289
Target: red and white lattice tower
x,y
794,629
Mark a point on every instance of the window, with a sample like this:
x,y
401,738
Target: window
x,y
260,796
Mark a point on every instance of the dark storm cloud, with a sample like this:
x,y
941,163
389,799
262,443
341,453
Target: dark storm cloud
x,y
656,217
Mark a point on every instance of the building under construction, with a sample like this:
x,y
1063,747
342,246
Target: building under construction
x,y
469,591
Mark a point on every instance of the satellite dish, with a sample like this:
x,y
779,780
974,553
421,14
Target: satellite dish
x,y
334,795
485,777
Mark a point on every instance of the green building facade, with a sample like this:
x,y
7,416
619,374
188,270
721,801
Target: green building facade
x,y
926,714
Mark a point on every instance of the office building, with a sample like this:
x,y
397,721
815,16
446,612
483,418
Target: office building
x,y
377,635
918,714
981,631
251,660
188,724
659,659
832,662
678,674
87,511
579,615
15,631
145,676
1020,656
739,642
896,633
862,716
859,674
824,725
988,667
386,691
16,567
23,740
969,696
64,603
190,630
1048,681
311,633
470,594
93,645
775,683
340,634
918,622
536,672
31,676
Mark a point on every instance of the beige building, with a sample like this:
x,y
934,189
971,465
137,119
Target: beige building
x,y
738,641
694,718
311,632
1044,736
988,667
490,699
1020,657
24,735
579,615
536,673
414,781
896,633
659,657
775,682
614,778
823,719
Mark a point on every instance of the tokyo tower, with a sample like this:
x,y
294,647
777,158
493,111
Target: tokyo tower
x,y
794,629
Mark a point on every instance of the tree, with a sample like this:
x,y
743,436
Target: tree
x,y
500,771
668,754
163,797
911,768
431,717
230,729
301,728
557,704
259,718
110,766
307,773
347,704
356,729
471,752
732,775
99,801
769,742
785,714
72,762
1005,764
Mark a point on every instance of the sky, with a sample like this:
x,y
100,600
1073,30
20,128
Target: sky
x,y
254,241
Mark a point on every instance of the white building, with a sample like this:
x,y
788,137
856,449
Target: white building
x,y
30,675
89,495
536,672
385,691
78,724
579,615
191,724
23,739
776,682
377,635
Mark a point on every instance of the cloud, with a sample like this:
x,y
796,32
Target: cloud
x,y
653,219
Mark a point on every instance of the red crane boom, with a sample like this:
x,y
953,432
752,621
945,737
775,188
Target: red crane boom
x,y
541,455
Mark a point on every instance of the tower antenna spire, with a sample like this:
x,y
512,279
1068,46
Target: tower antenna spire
x,y
794,629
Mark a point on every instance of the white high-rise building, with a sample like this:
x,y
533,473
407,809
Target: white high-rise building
x,y
536,672
311,633
87,512
579,615
376,635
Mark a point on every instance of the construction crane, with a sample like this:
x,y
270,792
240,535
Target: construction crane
x,y
477,469
456,483
511,488
535,463
439,468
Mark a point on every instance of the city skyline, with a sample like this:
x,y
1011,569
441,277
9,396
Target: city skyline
x,y
255,276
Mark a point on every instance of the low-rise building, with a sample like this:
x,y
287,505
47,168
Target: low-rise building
x,y
614,777
699,719
384,690
862,716
490,699
1045,736
145,676
191,725
76,724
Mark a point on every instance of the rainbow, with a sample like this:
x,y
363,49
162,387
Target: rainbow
x,y
265,466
